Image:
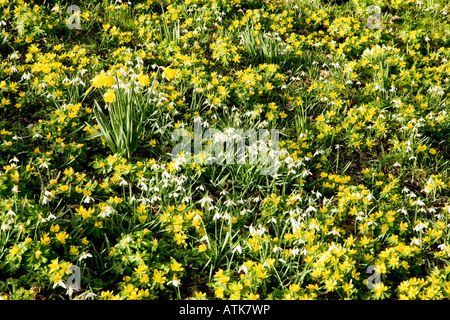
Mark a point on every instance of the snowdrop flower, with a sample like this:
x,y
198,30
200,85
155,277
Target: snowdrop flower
x,y
420,226
175,282
205,200
88,199
204,239
106,212
273,220
59,284
335,233
294,252
90,294
229,203
11,213
309,209
141,185
243,268
238,249
85,256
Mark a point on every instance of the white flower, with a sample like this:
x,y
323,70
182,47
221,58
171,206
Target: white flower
x,y
85,256
334,232
204,239
44,164
420,226
314,226
252,231
205,200
309,209
243,268
294,252
90,294
106,212
276,248
59,284
226,216
174,282
11,213
142,186
273,220
88,199
230,203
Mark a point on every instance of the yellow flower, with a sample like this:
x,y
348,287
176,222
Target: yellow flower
x,y
422,147
62,236
45,239
235,296
176,266
109,81
110,96
169,73
74,251
143,79
98,224
141,269
219,292
69,171
379,289
221,277
158,276
13,251
180,238
54,265
144,279
432,151
99,81
152,143
202,248
200,295
252,296
294,287
106,294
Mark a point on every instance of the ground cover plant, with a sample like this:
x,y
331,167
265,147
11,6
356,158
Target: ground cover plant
x,y
90,194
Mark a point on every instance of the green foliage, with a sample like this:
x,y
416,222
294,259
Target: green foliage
x,y
87,178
